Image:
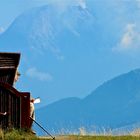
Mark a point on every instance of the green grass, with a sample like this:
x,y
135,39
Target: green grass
x,y
98,138
17,135
26,135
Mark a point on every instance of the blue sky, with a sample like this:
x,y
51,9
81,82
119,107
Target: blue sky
x,y
109,47
10,9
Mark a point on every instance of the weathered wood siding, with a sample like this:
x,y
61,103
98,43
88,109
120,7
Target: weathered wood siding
x,y
14,103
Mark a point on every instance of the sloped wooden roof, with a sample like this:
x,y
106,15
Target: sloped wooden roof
x,y
8,66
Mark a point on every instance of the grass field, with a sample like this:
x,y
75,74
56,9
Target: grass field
x,y
22,135
97,138
17,135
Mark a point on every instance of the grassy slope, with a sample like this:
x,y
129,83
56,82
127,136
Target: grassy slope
x,y
22,135
97,138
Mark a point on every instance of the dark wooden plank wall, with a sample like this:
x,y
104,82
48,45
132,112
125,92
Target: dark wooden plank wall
x,y
15,103
25,110
8,66
10,103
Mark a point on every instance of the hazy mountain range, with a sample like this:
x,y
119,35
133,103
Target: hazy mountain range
x,y
49,39
112,105
64,48
68,52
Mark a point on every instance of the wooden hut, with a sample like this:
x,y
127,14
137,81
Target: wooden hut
x,y
14,105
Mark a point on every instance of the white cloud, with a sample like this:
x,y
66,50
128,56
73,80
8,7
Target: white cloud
x,y
65,3
42,76
1,30
57,53
82,3
130,39
138,2
62,5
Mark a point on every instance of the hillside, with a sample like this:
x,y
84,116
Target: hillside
x,y
112,105
68,52
46,37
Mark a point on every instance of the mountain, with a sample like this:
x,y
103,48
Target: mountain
x,y
49,39
38,29
61,48
112,105
67,52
